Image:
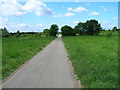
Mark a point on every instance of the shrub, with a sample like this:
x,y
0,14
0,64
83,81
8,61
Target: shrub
x,y
39,34
109,34
68,31
4,32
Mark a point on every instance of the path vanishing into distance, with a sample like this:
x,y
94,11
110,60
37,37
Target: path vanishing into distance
x,y
50,68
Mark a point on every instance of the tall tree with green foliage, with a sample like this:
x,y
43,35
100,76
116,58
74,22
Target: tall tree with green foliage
x,y
92,27
80,28
53,30
68,31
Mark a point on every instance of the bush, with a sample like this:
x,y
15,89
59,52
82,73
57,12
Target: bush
x,y
39,34
43,35
68,31
4,32
22,35
109,34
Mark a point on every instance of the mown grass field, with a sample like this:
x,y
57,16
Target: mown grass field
x,y
95,60
16,51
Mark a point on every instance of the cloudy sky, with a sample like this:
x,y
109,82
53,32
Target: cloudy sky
x,y
34,15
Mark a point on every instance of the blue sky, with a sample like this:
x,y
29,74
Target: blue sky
x,y
73,0
35,15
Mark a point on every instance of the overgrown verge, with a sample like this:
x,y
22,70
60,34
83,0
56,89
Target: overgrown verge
x,y
16,51
95,60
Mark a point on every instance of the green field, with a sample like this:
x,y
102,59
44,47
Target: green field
x,y
16,51
95,60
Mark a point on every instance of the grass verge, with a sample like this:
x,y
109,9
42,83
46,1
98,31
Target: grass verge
x,y
16,51
95,60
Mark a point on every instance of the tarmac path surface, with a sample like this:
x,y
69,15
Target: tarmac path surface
x,y
50,68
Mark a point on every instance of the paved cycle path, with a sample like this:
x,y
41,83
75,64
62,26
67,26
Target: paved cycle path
x,y
48,69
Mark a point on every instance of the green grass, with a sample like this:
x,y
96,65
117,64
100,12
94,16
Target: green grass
x,y
16,51
95,60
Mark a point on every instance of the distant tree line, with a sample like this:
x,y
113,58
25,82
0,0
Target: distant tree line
x,y
90,27
52,31
4,33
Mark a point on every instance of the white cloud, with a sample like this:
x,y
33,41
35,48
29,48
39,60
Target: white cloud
x,y
57,16
69,14
26,28
65,15
76,22
78,9
4,22
40,25
12,7
93,13
115,18
31,5
37,7
22,27
105,22
103,7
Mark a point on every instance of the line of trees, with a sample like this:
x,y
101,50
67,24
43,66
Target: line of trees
x,y
90,27
52,31
4,33
68,31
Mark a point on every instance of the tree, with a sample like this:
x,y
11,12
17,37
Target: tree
x,y
80,28
5,32
118,29
53,30
103,30
115,29
46,31
68,31
92,27
17,33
